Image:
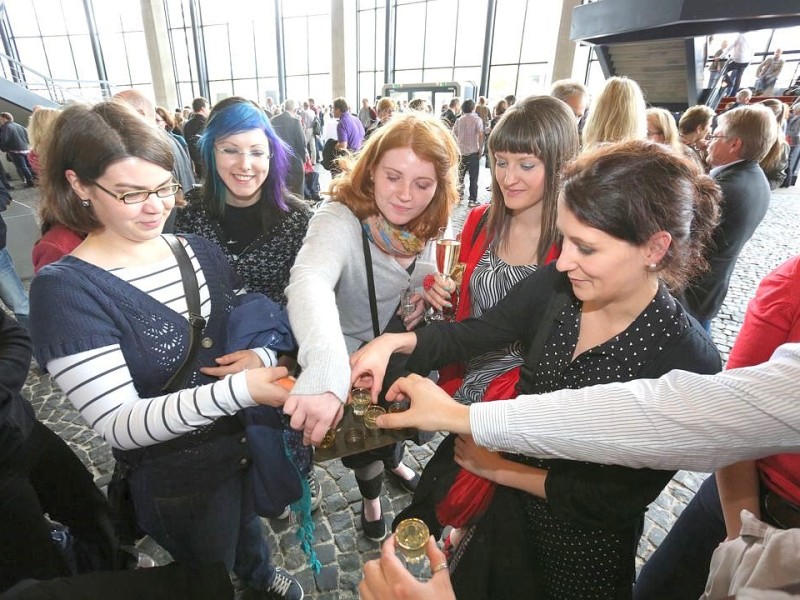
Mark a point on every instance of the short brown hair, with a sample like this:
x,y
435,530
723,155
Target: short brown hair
x,y
694,117
385,104
88,140
632,190
431,141
341,104
755,125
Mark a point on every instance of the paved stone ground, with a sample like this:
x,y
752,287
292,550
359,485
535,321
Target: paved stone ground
x,y
340,545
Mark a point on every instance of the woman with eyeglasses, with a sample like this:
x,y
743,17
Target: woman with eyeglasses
x,y
112,328
243,205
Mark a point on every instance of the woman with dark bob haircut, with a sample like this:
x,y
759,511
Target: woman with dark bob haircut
x,y
244,206
634,218
391,199
112,328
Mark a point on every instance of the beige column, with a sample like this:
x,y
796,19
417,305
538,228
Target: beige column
x,y
565,48
158,52
338,54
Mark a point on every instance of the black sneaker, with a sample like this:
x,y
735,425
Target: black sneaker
x,y
374,530
285,586
316,489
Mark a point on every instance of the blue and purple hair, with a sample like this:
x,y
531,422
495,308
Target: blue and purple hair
x,y
231,116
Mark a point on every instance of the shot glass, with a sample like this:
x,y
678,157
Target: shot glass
x,y
370,417
399,406
412,537
360,398
354,438
329,441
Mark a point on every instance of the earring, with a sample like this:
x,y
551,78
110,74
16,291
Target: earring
x,y
85,203
652,266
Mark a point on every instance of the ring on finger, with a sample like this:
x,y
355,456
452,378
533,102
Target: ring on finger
x,y
440,567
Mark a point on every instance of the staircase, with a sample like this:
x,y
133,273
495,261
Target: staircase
x,y
659,67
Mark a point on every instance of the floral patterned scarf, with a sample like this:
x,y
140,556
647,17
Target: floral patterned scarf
x,y
390,239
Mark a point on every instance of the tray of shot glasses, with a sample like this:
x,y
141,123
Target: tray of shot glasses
x,y
357,431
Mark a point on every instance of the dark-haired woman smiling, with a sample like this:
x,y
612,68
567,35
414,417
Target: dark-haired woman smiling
x,y
634,218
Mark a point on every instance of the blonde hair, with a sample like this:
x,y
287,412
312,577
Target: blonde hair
x,y
663,120
618,114
40,124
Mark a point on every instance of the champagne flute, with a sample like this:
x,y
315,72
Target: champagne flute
x,y
447,251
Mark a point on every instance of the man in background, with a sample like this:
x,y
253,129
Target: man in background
x,y
192,130
468,131
14,141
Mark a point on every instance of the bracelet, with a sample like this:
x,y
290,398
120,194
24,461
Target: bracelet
x,y
428,281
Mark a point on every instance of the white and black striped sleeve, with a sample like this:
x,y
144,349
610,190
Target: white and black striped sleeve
x,y
99,385
680,421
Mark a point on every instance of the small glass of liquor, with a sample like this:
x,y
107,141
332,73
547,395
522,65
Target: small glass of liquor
x,y
354,438
407,306
329,440
412,537
370,419
360,398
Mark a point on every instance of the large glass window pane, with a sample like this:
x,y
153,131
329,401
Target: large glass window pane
x,y
74,16
434,75
22,17
786,38
59,55
115,56
84,58
247,88
183,52
218,56
366,41
31,54
508,31
243,57
297,87
440,33
220,90
138,61
533,79
471,31
408,76
502,81
408,52
50,16
295,41
541,31
319,44
319,86
472,74
266,58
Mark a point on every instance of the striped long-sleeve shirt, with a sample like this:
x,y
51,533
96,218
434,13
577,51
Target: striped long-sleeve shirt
x,y
680,421
100,386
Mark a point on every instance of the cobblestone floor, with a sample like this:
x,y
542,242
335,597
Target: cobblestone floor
x,y
340,546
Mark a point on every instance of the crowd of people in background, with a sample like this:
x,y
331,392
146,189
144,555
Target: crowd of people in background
x,y
603,256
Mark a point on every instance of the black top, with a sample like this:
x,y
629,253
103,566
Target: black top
x,y
745,199
263,258
662,338
16,413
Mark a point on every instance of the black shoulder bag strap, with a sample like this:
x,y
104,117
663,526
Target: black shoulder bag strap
x,y
373,302
526,371
196,321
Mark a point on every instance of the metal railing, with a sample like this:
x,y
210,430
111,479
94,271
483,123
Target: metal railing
x,y
59,91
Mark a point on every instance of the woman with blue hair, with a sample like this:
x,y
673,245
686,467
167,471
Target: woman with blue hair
x,y
243,205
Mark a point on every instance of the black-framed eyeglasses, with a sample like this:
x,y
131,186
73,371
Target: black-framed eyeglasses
x,y
229,153
715,137
139,196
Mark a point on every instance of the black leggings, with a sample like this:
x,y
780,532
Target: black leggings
x,y
45,476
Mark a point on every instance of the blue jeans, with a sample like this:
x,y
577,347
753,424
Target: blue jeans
x,y
200,522
679,567
23,166
12,293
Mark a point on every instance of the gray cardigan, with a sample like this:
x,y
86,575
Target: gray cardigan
x,y
328,299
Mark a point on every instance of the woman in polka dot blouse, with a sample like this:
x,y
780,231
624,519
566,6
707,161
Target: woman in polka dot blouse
x,y
635,217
